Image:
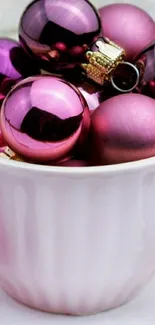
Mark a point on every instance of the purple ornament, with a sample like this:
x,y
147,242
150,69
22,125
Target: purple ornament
x,y
59,32
128,26
45,119
146,63
92,97
123,129
14,65
14,62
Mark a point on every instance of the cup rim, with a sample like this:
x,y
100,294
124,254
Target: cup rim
x,y
134,166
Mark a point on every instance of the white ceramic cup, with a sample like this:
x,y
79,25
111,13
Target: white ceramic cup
x,y
75,240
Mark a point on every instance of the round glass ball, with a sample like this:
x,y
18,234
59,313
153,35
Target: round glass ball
x,y
45,119
92,97
146,64
15,64
59,32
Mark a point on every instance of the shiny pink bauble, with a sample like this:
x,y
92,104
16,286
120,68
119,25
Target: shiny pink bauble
x,y
92,97
58,32
45,119
123,129
146,64
128,26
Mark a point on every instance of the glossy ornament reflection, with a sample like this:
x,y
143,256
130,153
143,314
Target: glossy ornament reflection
x,y
146,64
91,96
59,32
45,119
15,64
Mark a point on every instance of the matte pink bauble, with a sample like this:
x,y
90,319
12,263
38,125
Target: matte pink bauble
x,y
128,26
123,129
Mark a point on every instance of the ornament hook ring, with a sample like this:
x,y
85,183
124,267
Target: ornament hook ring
x,y
136,81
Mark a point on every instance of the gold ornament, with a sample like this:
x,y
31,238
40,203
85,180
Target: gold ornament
x,y
102,64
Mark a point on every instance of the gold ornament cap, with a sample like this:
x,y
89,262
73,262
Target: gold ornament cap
x,y
10,155
103,61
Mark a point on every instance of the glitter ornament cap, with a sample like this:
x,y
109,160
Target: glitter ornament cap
x,y
44,119
105,59
7,153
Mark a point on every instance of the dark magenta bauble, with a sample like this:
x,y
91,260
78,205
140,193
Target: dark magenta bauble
x,y
2,142
45,119
146,63
59,32
128,26
123,129
15,64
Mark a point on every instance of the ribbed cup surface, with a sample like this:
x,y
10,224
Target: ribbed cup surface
x,y
76,243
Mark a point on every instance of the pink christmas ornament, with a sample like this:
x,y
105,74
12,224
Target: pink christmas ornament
x,y
45,119
92,98
128,26
146,64
123,129
59,32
